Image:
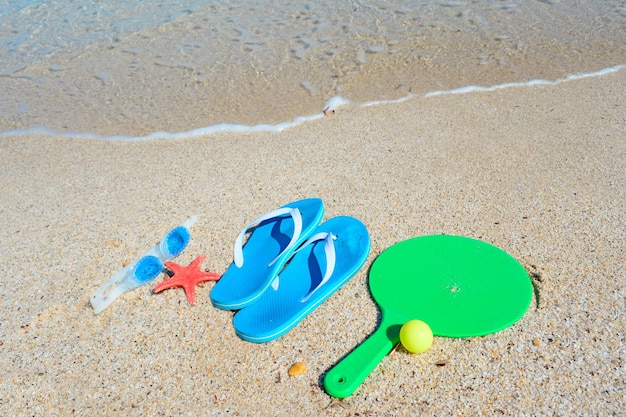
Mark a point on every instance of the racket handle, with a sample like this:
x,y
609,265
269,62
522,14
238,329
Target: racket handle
x,y
347,375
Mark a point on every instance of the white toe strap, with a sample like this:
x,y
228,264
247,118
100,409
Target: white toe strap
x,y
275,214
329,250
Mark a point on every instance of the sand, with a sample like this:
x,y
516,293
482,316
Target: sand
x,y
537,171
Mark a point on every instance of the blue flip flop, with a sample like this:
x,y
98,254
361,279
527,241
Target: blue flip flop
x,y
274,238
326,261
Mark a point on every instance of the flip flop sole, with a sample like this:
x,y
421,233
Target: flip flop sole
x,y
240,286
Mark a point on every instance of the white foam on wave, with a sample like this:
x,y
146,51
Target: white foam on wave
x,y
160,135
332,104
473,88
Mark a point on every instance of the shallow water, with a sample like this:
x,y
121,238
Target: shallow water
x,y
134,68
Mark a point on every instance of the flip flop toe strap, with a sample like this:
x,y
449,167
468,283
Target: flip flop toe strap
x,y
329,251
274,214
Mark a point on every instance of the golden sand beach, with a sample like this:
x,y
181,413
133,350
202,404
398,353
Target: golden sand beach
x,y
538,171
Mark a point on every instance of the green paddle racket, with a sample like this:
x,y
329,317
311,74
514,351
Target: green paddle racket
x,y
460,287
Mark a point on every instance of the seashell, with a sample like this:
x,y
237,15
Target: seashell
x,y
297,368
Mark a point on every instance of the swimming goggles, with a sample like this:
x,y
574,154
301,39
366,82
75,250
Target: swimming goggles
x,y
144,269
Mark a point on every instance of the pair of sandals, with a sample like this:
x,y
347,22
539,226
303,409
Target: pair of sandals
x,y
289,265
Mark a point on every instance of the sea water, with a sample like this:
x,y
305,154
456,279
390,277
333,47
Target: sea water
x,y
171,69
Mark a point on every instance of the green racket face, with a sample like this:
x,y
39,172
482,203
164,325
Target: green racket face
x,y
460,287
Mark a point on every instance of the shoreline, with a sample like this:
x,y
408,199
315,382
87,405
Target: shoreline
x,y
537,172
332,104
83,67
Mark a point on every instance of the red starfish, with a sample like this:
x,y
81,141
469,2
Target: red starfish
x,y
187,277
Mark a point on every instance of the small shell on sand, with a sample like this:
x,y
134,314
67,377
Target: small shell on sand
x,y
297,368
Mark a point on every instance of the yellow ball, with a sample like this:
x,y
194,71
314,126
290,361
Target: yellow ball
x,y
416,336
